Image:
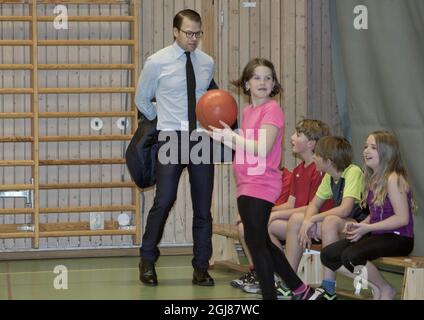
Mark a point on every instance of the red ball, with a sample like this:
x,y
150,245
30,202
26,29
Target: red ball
x,y
216,105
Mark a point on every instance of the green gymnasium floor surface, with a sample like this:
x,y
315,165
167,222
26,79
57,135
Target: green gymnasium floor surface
x,y
117,278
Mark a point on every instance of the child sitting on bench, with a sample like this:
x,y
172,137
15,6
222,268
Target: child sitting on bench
x,y
388,230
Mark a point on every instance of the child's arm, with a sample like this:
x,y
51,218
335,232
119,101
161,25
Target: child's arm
x,y
342,211
350,225
284,214
366,220
311,211
289,204
261,147
399,200
313,207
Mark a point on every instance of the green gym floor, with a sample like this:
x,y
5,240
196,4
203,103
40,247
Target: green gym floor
x,y
117,278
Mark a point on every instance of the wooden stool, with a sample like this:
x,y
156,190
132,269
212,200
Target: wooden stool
x,y
310,268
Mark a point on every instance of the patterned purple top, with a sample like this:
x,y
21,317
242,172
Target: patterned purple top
x,y
379,213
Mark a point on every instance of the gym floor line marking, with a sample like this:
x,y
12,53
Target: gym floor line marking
x,y
9,282
87,270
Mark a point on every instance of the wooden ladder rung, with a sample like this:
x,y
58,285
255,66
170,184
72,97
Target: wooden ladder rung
x,y
88,185
16,115
84,66
16,90
84,138
16,211
82,233
65,2
85,42
73,162
11,228
13,187
16,42
76,226
90,18
16,163
16,2
88,209
15,18
14,66
85,90
82,1
17,234
16,139
85,114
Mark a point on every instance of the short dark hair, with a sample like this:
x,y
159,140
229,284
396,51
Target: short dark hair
x,y
336,149
189,14
249,71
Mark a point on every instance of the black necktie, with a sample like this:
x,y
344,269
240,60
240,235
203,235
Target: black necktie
x,y
191,93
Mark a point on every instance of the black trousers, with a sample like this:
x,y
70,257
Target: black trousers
x,y
368,248
267,258
201,177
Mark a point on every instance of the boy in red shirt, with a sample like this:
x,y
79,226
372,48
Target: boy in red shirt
x,y
305,178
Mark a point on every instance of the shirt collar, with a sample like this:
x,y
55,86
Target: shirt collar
x,y
180,52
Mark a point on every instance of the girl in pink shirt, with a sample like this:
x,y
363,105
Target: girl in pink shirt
x,y
258,147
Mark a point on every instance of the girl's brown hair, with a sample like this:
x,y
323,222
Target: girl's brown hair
x,y
249,71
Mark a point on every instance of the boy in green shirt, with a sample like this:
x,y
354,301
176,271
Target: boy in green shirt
x,y
343,182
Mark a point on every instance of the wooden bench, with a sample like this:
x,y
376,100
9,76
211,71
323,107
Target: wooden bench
x,y
225,254
225,237
413,277
310,268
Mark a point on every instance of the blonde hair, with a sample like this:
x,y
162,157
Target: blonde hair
x,y
390,161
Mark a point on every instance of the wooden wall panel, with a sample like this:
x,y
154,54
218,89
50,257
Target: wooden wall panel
x,y
288,74
321,90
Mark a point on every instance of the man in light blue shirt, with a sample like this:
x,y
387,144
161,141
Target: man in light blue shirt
x,y
177,76
164,77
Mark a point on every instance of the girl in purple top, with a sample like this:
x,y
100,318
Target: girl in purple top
x,y
388,230
256,166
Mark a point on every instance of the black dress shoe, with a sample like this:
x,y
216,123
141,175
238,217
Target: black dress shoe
x,y
148,273
202,278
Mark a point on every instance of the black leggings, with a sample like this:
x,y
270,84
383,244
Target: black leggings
x,y
267,258
370,247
